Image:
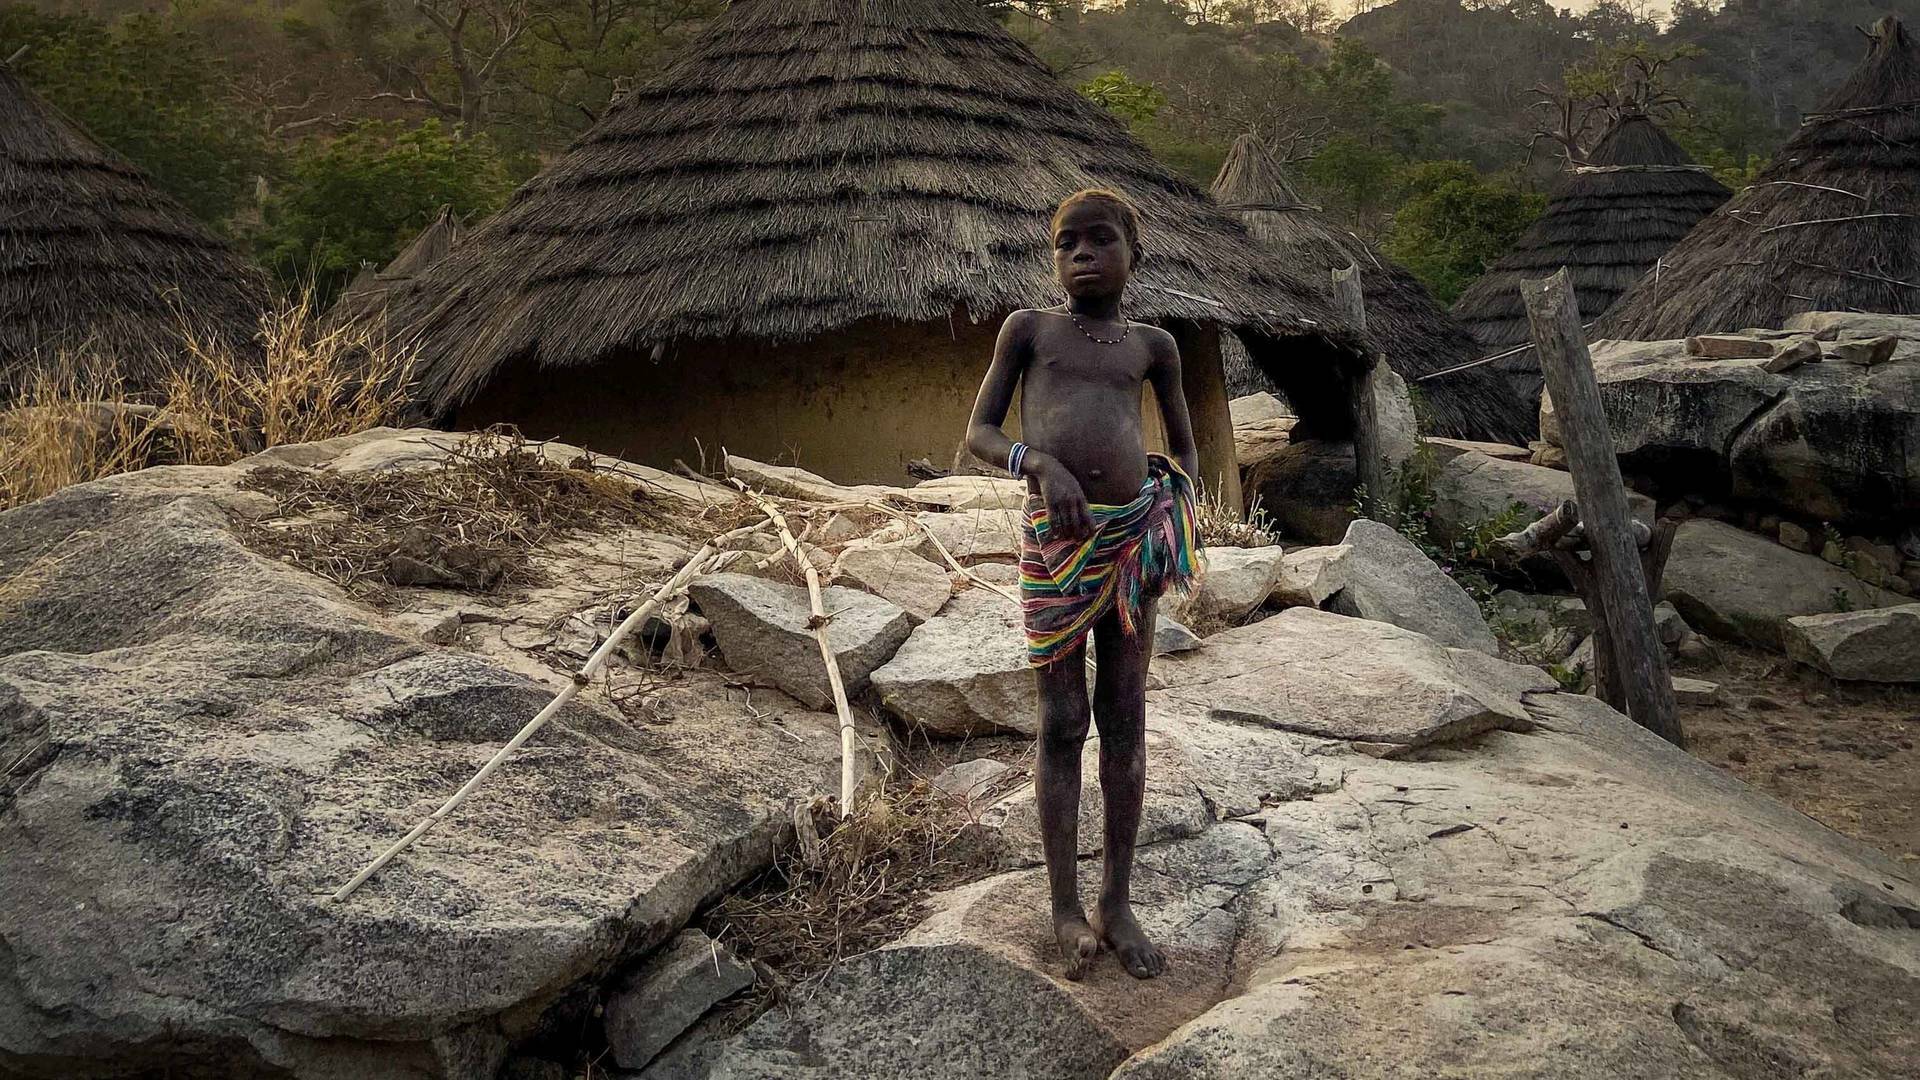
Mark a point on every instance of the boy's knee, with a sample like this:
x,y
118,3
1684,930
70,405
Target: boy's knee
x,y
1064,733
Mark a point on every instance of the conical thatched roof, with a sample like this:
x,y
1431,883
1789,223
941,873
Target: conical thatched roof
x,y
1832,224
366,297
806,164
96,261
1417,335
1606,222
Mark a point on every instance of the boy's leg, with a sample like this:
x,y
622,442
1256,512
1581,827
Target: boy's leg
x,y
1063,735
1120,709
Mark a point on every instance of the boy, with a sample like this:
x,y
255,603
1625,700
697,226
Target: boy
x,y
1108,528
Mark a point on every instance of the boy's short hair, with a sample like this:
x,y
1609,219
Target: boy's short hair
x,y
1122,206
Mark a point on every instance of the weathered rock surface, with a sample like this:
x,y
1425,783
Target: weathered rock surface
x,y
1733,584
205,742
1876,645
971,492
1237,581
669,991
1308,576
1822,441
1390,580
1169,636
1503,451
972,535
1253,408
1580,901
1471,489
763,630
963,672
1306,489
1336,677
897,573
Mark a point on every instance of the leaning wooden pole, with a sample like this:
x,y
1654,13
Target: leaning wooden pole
x,y
1554,314
1369,463
849,735
581,678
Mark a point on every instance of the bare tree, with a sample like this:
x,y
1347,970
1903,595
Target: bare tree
x,y
477,37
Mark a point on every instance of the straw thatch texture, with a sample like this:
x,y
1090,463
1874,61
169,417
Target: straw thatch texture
x,y
96,261
1833,223
1607,222
366,297
808,164
1417,335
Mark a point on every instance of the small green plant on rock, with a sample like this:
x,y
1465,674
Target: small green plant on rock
x,y
1467,559
1841,599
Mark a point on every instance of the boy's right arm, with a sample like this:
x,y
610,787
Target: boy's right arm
x,y
1066,504
1010,352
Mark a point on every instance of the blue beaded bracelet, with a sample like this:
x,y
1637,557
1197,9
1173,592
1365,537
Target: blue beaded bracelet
x,y
1016,457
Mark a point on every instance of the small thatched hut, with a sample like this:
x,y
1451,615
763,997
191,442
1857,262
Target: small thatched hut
x,y
1418,336
1607,222
366,297
1832,224
798,241
97,265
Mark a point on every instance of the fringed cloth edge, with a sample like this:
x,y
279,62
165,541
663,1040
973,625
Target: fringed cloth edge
x,y
1138,551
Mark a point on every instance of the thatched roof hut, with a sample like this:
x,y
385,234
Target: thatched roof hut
x,y
96,262
366,296
1418,336
800,238
1607,222
1833,223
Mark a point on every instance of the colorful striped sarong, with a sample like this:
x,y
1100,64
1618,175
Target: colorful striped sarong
x,y
1137,551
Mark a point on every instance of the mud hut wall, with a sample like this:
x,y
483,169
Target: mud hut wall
x,y
855,406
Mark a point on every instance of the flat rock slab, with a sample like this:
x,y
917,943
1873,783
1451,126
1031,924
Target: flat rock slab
x,y
963,672
205,742
1876,645
1236,582
1390,580
896,573
1309,576
1735,585
972,535
763,630
971,493
669,991
792,482
1370,683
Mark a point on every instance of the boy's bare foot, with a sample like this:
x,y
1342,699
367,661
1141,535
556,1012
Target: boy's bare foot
x,y
1078,943
1121,931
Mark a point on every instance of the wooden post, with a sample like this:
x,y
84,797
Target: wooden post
x,y
1368,464
1639,662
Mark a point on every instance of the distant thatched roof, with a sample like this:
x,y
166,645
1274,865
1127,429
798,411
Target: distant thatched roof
x,y
366,297
1832,224
1606,222
95,260
1417,336
805,164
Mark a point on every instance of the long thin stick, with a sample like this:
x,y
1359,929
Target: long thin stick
x,y
916,523
848,734
582,678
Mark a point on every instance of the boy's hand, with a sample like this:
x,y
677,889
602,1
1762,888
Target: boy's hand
x,y
1068,515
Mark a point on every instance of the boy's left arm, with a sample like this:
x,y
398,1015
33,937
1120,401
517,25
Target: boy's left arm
x,y
1164,374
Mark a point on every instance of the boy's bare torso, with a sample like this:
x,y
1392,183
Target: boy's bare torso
x,y
1080,400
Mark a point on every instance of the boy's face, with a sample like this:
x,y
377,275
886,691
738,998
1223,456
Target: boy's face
x,y
1091,255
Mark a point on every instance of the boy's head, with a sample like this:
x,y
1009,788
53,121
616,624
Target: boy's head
x,y
1096,242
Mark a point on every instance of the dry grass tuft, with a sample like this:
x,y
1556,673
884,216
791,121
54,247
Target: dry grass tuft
x,y
468,524
310,381
1221,525
864,885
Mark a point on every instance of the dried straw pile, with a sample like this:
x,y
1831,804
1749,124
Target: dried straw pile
x,y
1832,224
97,263
807,164
1418,336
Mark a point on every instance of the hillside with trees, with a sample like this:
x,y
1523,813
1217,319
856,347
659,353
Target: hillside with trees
x,y
323,133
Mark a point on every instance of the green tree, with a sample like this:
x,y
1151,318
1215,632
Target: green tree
x,y
361,197
1130,101
1455,223
1354,180
149,91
